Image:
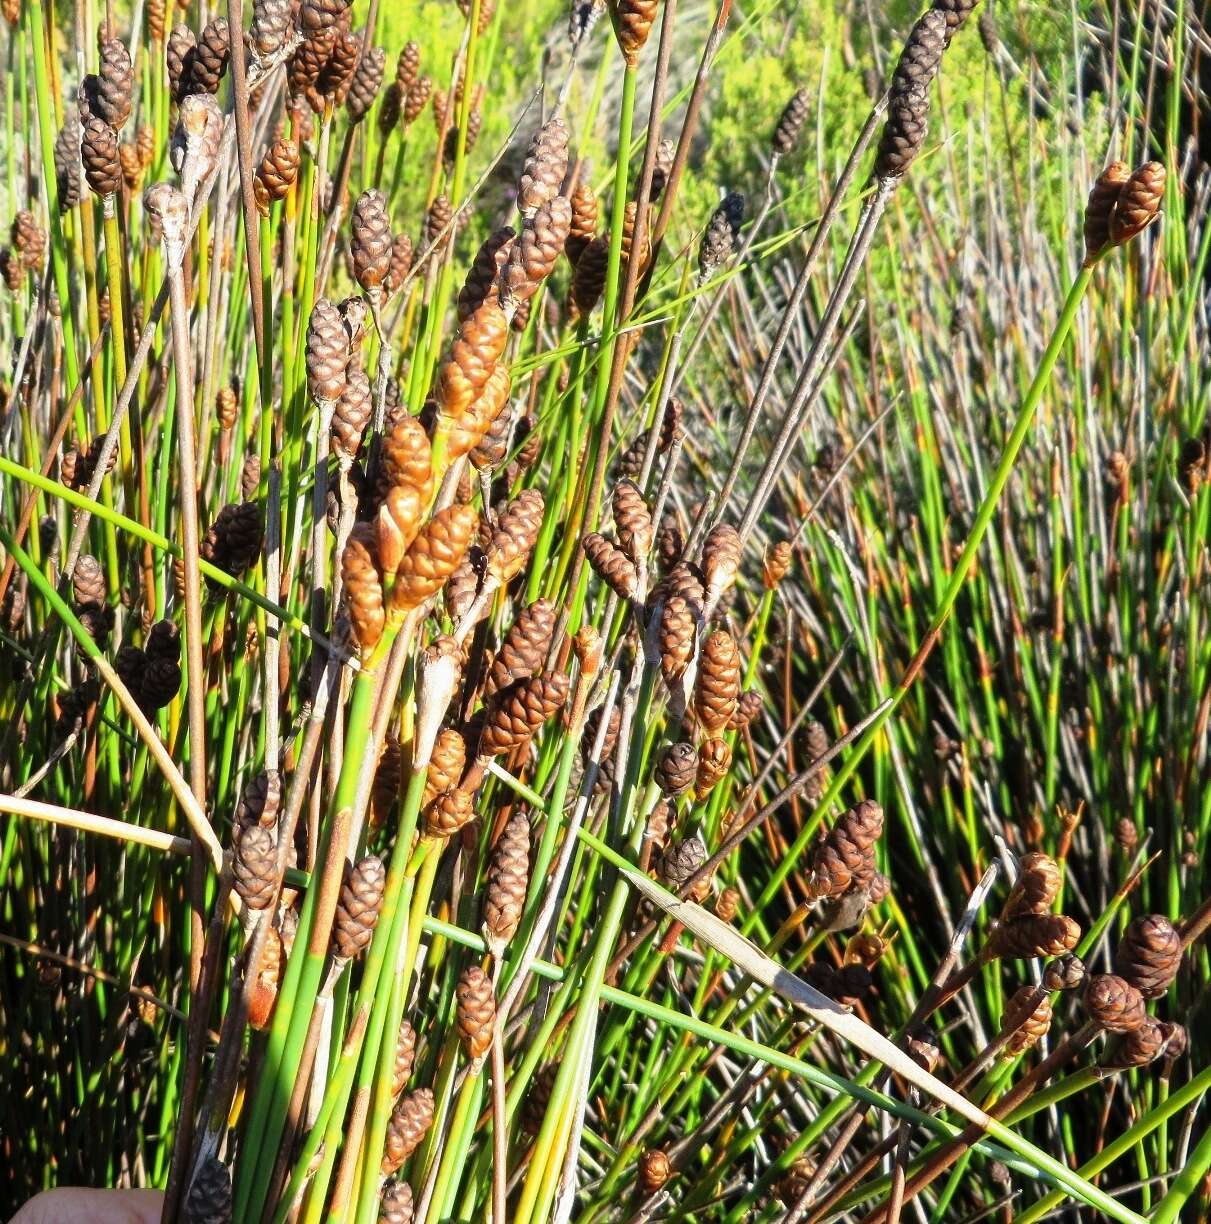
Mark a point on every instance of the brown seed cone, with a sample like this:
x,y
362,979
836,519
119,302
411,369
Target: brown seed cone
x,y
633,20
535,252
271,22
208,1200
588,281
405,1057
592,724
415,98
214,50
721,559
180,54
629,218
719,237
727,904
255,867
684,579
363,586
632,521
364,87
516,533
817,743
678,629
233,540
88,580
545,166
518,712
1034,935
1026,1020
327,352
476,1011
654,1170
908,107
358,908
583,227
676,769
401,263
114,92
67,164
132,166
446,764
714,760
1140,1046
13,269
1138,203
432,557
437,221
493,448
474,354
844,857
507,879
524,649
351,416
99,153
157,19
1064,973
1037,886
1113,1004
406,457
1100,206
412,1117
303,70
396,1204
388,778
145,142
681,860
1126,836
390,109
370,241
748,707
470,429
261,798
480,285
610,564
407,66
1149,955
718,687
263,992
250,476
449,812
276,174
790,123
335,77
160,684
28,237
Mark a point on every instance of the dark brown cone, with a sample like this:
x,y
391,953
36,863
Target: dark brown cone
x,y
680,861
233,540
363,586
318,17
389,110
493,449
516,533
610,564
1140,1046
370,242
545,166
1026,1020
396,1204
1138,203
358,908
666,154
401,263
535,252
67,164
629,220
335,77
508,877
518,712
437,221
714,760
654,1170
583,228
538,1095
790,123
407,67
476,1011
844,857
449,812
1037,886
303,71
1034,935
633,21
678,630
255,867
588,281
277,172
592,725
676,768
415,98
719,238
351,416
480,285
748,708
405,1056
1103,196
99,153
632,521
718,687
1149,955
88,580
115,84
327,352
214,50
1126,836
364,87
1113,1004
160,685
412,1117
908,106
524,649
271,21
180,55
261,800
1064,973
208,1200
250,476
